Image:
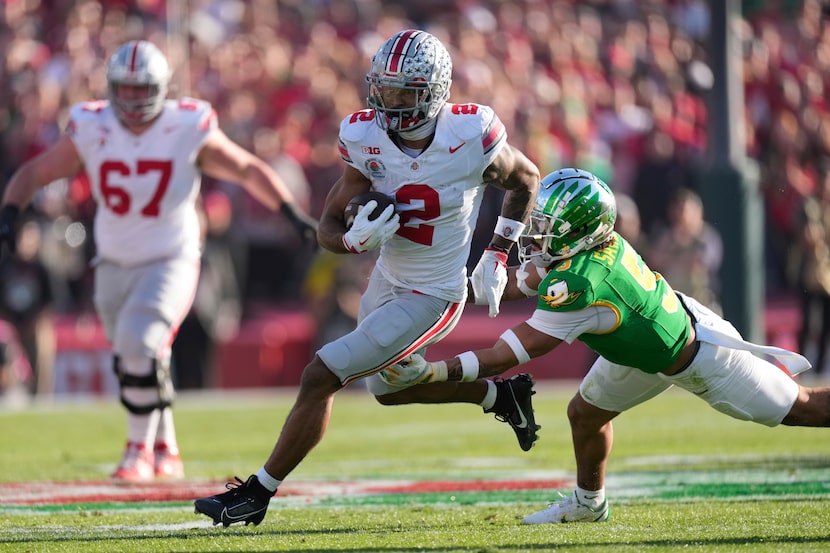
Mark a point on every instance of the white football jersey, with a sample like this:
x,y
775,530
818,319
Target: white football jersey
x,y
437,194
146,185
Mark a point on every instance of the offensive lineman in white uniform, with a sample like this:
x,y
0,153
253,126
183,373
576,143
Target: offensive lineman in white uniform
x,y
144,155
434,160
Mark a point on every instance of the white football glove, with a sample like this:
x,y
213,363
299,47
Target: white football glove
x,y
489,279
368,234
412,370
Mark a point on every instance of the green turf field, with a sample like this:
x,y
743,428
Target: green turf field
x,y
416,478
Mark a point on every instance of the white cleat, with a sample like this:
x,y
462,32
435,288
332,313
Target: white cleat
x,y
569,509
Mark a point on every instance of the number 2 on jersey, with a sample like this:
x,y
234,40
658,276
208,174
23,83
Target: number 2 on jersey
x,y
118,199
427,198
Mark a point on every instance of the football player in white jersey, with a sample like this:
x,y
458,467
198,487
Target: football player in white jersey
x,y
144,155
434,160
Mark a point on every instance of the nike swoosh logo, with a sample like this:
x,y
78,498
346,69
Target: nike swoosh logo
x,y
229,516
453,150
523,419
362,242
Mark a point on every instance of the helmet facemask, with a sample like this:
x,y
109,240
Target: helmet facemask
x,y
137,78
136,108
575,211
416,99
409,81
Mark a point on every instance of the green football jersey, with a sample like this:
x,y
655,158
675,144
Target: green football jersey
x,y
652,327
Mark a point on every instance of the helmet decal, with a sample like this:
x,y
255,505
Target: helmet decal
x,y
575,211
401,43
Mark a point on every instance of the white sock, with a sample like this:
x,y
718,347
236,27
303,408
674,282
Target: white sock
x,y
591,498
166,433
490,397
268,482
141,429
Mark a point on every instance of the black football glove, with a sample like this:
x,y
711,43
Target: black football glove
x,y
304,224
9,214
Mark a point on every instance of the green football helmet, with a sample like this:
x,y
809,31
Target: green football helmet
x,y
575,211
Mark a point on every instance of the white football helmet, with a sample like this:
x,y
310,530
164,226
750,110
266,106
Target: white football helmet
x,y
138,63
412,62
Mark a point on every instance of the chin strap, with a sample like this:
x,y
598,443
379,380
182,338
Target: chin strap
x,y
421,132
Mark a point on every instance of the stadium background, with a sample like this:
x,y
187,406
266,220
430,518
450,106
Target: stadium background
x,y
616,87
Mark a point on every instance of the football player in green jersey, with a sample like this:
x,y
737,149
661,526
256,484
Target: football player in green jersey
x,y
594,287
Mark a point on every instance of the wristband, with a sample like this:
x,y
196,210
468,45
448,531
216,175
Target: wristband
x,y
469,366
509,229
509,337
503,249
439,371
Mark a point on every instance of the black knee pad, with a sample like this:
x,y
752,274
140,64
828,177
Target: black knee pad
x,y
158,378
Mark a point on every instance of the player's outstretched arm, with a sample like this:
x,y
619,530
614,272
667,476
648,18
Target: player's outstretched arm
x,y
223,159
514,347
61,160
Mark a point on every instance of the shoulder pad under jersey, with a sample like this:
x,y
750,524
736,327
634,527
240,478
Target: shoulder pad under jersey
x,y
199,112
355,126
467,121
91,111
475,121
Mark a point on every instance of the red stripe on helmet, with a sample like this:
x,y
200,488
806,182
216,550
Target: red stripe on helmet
x,y
134,56
395,62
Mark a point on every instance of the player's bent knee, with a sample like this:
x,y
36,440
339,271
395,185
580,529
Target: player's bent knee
x,y
576,409
317,377
144,391
584,416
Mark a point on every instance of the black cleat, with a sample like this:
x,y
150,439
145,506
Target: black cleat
x,y
513,406
243,502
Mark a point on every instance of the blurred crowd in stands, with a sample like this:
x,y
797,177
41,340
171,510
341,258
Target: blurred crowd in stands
x,y
617,87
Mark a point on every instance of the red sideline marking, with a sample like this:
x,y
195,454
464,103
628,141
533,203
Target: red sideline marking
x,y
64,493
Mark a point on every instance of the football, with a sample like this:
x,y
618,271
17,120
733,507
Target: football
x,y
362,199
